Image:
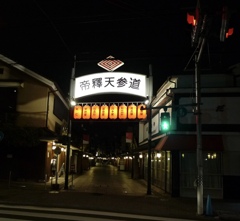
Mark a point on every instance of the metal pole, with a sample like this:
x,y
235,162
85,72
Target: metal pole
x,y
199,132
149,183
69,125
56,173
68,153
150,93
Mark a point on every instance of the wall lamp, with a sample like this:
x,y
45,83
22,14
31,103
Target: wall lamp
x,y
146,101
73,102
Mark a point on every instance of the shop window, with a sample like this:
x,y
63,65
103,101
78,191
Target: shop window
x,y
211,170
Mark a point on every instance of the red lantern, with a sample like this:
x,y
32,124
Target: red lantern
x,y
122,113
141,114
77,112
86,112
113,111
132,111
104,112
95,112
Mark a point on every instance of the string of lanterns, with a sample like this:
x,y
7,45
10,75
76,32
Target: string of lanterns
x,y
109,111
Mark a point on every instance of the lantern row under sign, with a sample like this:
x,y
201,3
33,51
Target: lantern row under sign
x,y
113,111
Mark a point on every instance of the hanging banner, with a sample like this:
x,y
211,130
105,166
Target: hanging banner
x,y
129,137
85,139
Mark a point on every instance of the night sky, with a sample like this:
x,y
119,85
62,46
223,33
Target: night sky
x,y
45,35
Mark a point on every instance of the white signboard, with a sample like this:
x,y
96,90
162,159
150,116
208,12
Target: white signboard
x,y
214,110
110,82
155,127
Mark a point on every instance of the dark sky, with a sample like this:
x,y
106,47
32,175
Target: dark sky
x,y
45,35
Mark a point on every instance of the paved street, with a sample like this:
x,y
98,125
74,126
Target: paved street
x,y
25,213
104,188
107,179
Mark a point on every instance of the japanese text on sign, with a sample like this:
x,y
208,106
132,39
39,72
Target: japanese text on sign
x,y
110,82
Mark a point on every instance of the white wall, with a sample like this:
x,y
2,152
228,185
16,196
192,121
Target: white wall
x,y
211,110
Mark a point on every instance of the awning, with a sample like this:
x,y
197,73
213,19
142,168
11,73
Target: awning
x,y
189,142
46,135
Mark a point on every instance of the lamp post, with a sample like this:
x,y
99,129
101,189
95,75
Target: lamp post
x,y
71,93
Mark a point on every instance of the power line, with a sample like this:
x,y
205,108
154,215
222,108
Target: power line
x,y
56,30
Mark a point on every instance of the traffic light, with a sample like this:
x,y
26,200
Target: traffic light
x,y
165,121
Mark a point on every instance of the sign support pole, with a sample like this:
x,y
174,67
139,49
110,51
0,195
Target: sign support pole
x,y
69,124
150,92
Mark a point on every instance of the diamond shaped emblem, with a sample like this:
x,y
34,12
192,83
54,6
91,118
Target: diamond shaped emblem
x,y
110,63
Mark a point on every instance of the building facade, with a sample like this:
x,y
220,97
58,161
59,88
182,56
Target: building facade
x,y
174,160
34,116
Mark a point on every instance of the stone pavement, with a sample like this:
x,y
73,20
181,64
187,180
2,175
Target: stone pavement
x,y
128,196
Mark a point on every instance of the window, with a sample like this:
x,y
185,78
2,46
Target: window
x,y
211,170
8,100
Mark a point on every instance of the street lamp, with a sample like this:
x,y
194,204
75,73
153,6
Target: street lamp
x,y
73,103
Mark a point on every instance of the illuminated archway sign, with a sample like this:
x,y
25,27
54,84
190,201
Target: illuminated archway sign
x,y
111,82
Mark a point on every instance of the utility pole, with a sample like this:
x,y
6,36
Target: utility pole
x,y
199,157
201,30
71,94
